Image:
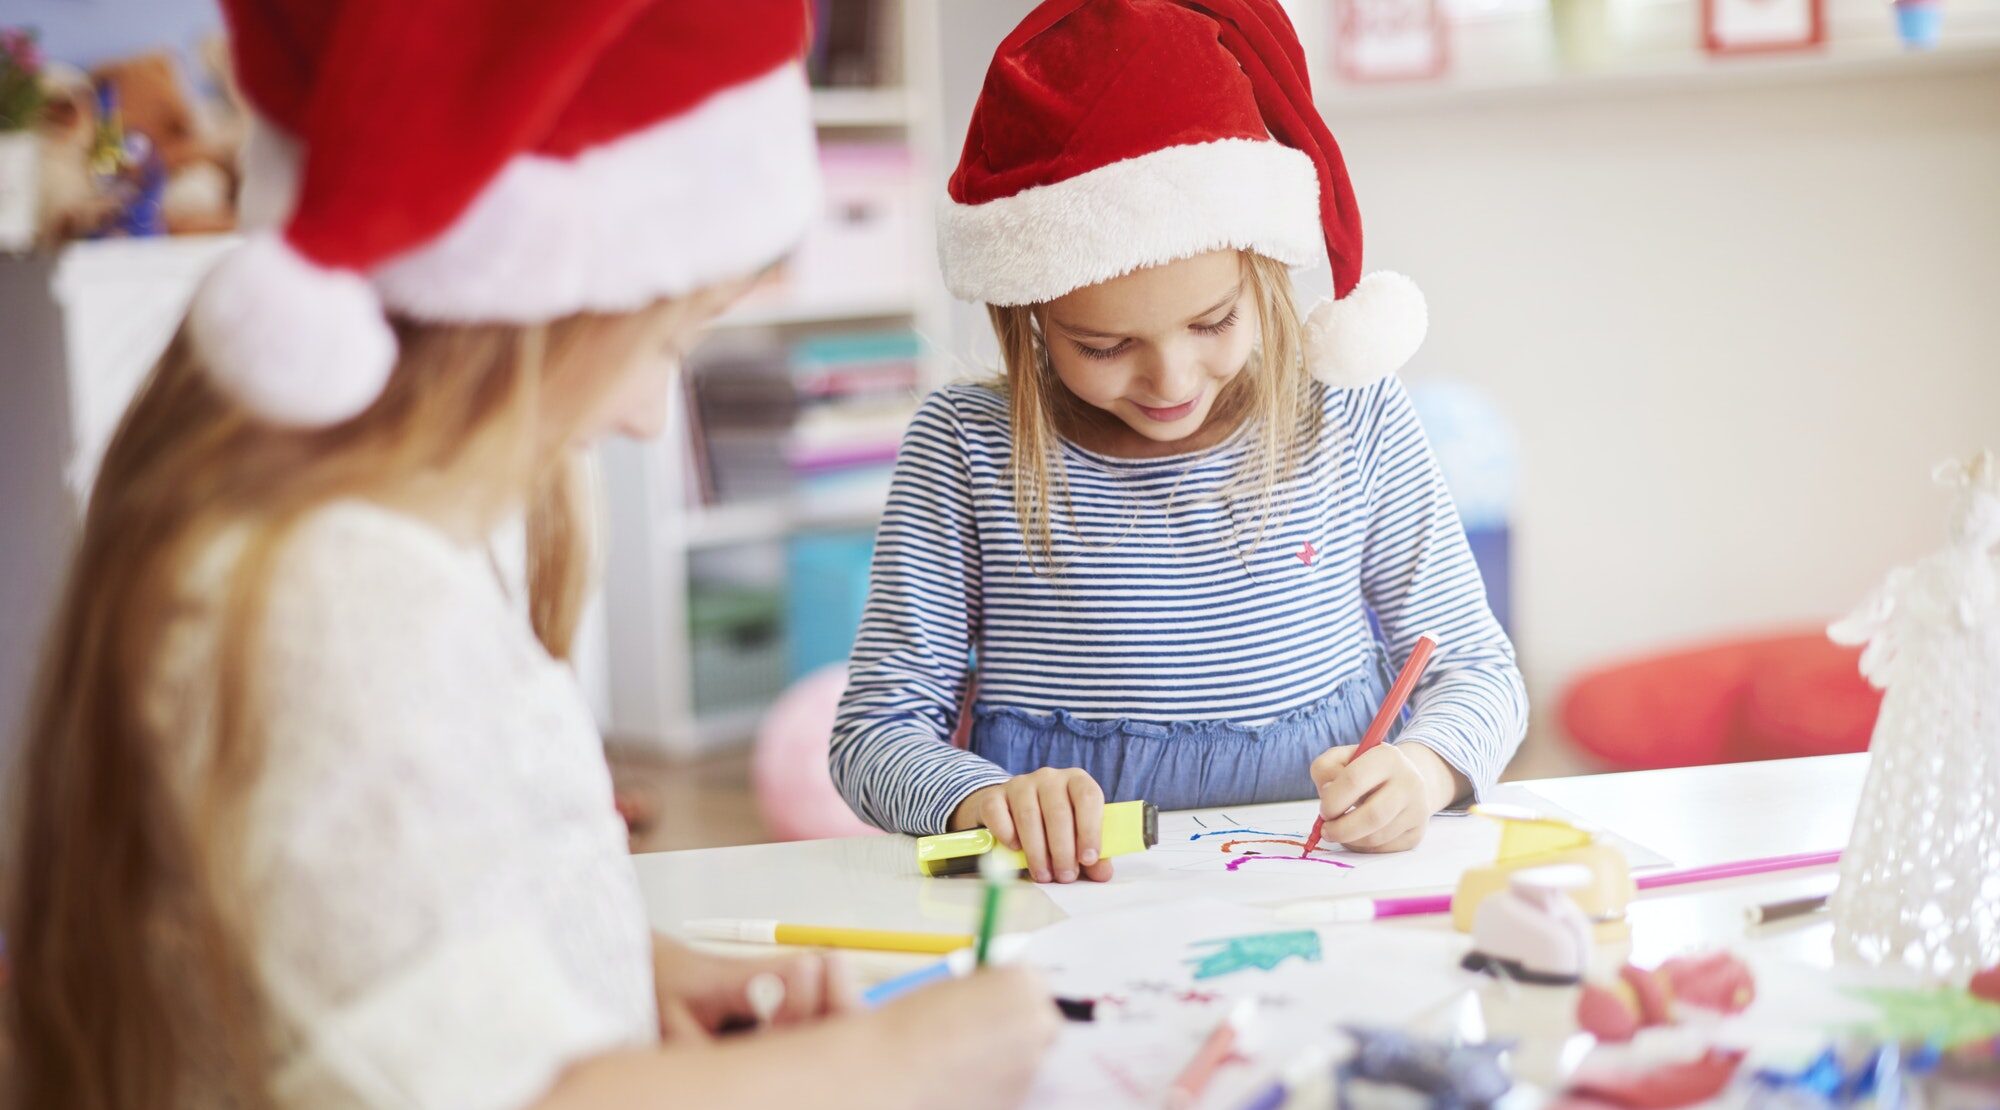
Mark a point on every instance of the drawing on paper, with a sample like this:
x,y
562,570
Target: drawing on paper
x,y
1261,951
1248,857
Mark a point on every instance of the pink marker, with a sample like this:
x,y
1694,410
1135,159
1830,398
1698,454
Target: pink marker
x,y
1338,911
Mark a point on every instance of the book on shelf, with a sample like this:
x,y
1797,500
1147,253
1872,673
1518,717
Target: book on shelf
x,y
855,44
860,253
822,414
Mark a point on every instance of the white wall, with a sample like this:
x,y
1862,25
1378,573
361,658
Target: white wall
x,y
1734,326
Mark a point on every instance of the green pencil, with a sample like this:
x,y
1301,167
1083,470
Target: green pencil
x,y
995,872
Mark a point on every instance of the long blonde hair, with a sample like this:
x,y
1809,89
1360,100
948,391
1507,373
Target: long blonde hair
x,y
130,957
1272,397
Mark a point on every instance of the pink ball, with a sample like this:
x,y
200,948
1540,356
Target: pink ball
x,y
795,794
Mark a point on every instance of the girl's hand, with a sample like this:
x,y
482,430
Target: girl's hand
x,y
700,994
984,1036
1381,801
1055,817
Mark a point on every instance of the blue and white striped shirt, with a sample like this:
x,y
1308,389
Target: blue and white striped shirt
x,y
1160,610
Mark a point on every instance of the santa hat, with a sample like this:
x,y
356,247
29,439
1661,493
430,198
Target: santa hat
x,y
507,161
1112,135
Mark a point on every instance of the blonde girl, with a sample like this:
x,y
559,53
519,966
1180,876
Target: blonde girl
x,y
312,812
1169,531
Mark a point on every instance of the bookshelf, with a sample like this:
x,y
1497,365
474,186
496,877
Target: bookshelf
x,y
645,670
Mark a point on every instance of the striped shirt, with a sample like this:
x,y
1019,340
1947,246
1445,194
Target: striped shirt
x,y
1161,608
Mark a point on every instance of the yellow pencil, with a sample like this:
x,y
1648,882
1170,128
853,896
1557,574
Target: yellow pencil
x,y
765,931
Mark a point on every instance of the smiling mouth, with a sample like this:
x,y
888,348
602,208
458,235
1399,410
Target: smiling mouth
x,y
1168,415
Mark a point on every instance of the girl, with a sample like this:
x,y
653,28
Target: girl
x,y
314,813
1162,536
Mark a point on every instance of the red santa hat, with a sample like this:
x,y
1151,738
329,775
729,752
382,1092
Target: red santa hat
x,y
494,161
1112,135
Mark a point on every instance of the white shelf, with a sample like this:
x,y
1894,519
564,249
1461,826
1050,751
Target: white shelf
x,y
1690,71
861,107
779,314
760,521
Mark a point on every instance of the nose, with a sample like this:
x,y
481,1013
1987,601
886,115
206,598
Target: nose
x,y
1172,374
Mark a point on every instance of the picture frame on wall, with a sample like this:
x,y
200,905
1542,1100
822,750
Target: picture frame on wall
x,y
1762,26
1389,40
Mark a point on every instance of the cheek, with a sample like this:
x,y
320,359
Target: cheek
x,y
1231,352
1094,383
637,409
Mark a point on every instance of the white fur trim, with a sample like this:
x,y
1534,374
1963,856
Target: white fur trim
x,y
715,193
1168,204
1368,334
294,342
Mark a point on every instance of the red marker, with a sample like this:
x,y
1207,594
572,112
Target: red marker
x,y
1213,1053
1392,705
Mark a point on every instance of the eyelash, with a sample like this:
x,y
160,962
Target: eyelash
x,y
1216,328
1219,326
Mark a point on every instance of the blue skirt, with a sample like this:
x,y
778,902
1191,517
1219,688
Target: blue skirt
x,y
1188,764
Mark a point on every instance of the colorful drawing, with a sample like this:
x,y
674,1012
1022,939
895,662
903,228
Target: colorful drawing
x,y
1263,951
1243,859
1228,845
1232,832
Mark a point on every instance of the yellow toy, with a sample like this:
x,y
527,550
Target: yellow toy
x,y
1528,839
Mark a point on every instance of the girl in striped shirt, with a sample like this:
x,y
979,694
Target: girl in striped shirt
x,y
1163,531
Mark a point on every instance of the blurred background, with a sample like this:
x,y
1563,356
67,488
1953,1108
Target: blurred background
x,y
1713,284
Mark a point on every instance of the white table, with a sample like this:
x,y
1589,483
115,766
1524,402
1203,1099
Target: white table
x,y
1694,816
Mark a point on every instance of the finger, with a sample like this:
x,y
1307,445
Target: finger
x,y
843,992
1355,781
678,1023
803,977
996,816
1058,827
1329,763
1400,843
1099,872
1087,799
1366,819
1384,839
1028,823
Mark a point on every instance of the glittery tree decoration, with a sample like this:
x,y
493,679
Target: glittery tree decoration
x,y
1920,880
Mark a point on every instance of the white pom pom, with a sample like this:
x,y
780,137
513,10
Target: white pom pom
x,y
1368,334
296,343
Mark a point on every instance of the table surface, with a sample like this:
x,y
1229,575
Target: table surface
x,y
1692,815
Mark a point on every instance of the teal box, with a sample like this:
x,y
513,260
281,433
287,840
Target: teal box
x,y
826,587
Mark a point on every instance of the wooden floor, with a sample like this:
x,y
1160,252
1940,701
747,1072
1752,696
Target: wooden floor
x,y
705,803
708,803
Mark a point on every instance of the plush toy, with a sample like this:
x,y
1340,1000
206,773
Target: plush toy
x,y
70,204
1615,1013
154,102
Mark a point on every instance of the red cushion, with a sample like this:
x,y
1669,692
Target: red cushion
x,y
1807,698
1763,698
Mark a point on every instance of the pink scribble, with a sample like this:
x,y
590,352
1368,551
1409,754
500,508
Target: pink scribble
x,y
1133,1089
1202,998
1241,860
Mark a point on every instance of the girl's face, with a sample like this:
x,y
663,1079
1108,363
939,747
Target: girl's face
x,y
636,406
1154,348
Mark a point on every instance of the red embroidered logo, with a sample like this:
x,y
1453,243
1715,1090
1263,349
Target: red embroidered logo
x,y
1306,554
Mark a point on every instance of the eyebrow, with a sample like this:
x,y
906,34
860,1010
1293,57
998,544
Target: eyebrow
x,y
1090,333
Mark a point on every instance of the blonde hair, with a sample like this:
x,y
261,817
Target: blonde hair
x,y
130,958
1272,398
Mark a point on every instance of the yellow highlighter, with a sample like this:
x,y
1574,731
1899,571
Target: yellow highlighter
x,y
1128,827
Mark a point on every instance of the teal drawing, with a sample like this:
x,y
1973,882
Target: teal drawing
x,y
1263,951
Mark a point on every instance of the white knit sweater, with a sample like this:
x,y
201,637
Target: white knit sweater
x,y
446,913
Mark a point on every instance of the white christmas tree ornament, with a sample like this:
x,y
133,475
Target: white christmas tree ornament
x,y
1920,879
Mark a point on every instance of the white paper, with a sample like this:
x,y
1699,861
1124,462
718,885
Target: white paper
x,y
1163,977
1217,854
